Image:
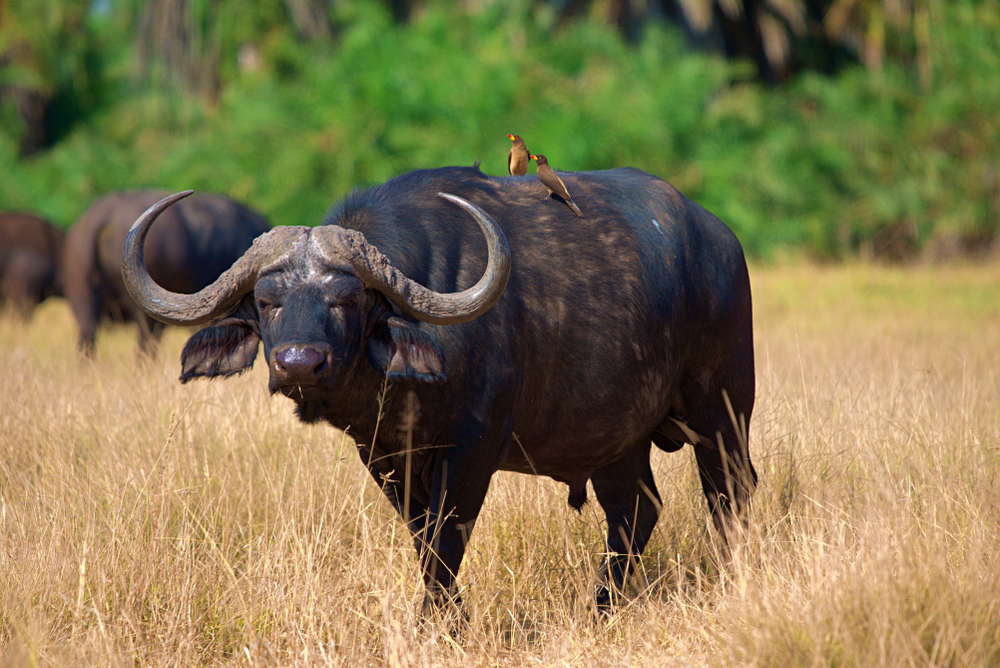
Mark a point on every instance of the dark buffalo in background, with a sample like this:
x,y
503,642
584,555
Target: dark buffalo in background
x,y
30,251
198,240
628,328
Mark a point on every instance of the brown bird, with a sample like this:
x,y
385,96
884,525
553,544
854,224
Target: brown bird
x,y
555,186
517,159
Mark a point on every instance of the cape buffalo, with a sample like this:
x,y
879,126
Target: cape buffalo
x,y
30,249
583,342
197,241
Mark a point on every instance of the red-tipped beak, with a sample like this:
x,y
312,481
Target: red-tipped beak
x,y
534,157
510,137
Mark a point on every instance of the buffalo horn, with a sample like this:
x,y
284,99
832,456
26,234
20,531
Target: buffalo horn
x,y
215,300
376,271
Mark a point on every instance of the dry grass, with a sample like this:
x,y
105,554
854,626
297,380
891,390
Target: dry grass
x,y
146,523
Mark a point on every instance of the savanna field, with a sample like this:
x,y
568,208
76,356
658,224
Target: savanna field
x,y
147,523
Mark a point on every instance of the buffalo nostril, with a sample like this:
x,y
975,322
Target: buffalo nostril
x,y
301,364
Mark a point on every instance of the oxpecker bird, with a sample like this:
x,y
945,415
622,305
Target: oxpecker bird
x,y
517,159
553,183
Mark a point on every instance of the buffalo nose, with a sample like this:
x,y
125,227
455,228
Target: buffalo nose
x,y
298,364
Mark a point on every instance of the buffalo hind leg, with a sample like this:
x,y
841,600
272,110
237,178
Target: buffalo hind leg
x,y
627,493
727,475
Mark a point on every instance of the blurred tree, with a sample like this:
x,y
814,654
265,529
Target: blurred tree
x,y
311,18
46,54
761,30
176,48
189,43
764,31
779,36
782,36
875,29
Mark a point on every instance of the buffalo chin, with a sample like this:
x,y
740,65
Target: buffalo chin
x,y
302,392
309,401
310,411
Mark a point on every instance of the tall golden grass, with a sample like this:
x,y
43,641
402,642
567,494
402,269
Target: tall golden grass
x,y
147,523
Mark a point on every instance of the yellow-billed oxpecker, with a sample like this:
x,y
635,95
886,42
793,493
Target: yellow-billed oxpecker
x,y
518,158
553,183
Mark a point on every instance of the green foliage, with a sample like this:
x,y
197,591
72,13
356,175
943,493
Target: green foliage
x,y
822,164
48,51
47,44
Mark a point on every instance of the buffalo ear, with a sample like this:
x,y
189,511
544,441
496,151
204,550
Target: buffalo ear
x,y
226,348
404,352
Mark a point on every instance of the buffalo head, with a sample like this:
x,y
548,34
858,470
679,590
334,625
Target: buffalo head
x,y
322,301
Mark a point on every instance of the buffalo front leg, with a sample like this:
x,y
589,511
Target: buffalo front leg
x,y
627,493
85,303
440,510
150,332
391,482
460,480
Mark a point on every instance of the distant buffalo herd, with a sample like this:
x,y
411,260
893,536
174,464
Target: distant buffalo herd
x,y
30,254
194,243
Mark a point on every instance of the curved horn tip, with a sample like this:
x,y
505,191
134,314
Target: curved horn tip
x,y
160,207
177,196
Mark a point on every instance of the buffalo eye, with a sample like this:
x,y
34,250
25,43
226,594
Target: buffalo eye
x,y
265,307
349,304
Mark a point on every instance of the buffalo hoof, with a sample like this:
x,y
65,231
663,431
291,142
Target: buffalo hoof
x,y
608,600
446,612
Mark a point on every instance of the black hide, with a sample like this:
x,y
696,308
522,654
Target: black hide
x,y
628,327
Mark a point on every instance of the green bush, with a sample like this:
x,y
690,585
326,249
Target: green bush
x,y
823,164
